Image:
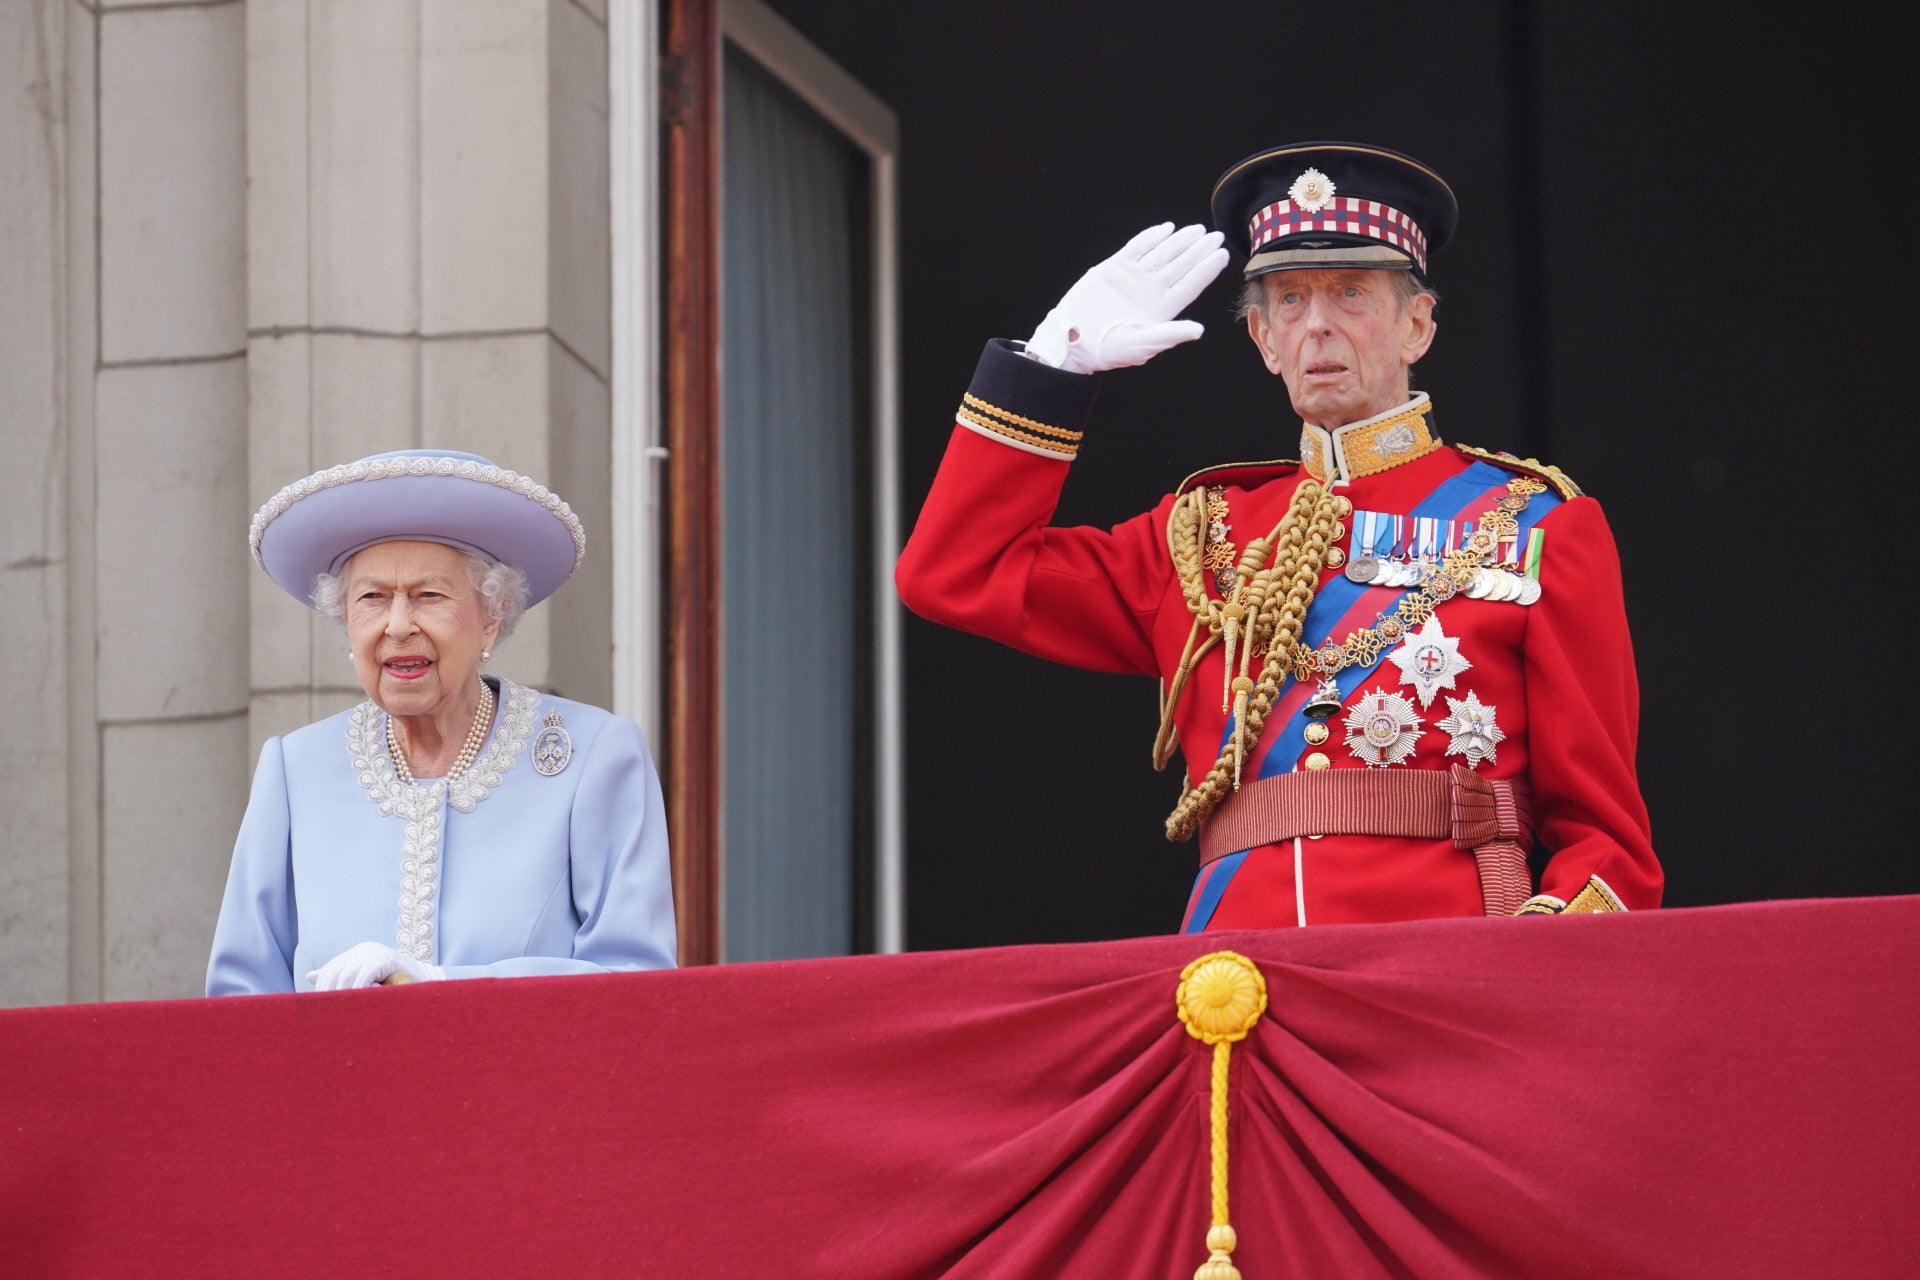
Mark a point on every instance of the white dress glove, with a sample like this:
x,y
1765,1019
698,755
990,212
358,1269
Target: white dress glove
x,y
366,964
1122,311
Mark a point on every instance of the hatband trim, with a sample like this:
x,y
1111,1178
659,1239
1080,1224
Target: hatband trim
x,y
405,468
1348,215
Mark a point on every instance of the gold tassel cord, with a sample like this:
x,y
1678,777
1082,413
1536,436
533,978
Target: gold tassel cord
x,y
1220,997
1273,597
1165,740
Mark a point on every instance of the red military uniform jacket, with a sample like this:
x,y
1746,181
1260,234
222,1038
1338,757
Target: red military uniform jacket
x,y
1541,696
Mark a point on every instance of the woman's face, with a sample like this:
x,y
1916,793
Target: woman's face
x,y
417,627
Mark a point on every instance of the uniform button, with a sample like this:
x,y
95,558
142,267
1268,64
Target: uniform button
x,y
1316,760
1316,732
1313,837
1336,557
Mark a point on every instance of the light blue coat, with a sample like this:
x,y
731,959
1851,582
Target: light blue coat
x,y
512,871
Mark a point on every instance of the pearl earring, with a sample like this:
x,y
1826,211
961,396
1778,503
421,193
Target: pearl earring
x,y
349,655
485,654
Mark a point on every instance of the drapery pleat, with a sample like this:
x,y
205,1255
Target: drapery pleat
x,y
1713,1092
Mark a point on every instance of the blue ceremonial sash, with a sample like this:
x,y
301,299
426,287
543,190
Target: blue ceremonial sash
x,y
1208,886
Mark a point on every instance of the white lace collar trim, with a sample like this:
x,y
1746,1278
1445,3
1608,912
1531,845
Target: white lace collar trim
x,y
418,805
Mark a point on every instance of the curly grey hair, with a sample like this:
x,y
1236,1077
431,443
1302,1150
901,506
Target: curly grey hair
x,y
502,590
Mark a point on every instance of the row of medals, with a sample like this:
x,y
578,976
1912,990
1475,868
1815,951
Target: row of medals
x,y
1492,582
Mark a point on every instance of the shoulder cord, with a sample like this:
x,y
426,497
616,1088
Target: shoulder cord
x,y
1269,603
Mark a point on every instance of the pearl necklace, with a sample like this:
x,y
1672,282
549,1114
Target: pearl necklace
x,y
482,721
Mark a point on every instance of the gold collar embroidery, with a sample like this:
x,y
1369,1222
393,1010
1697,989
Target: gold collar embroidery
x,y
1370,446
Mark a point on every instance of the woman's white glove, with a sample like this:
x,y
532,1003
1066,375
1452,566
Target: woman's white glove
x,y
1122,311
366,964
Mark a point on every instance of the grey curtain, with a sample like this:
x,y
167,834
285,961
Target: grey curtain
x,y
791,186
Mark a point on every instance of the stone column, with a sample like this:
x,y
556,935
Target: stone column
x,y
35,570
125,644
169,477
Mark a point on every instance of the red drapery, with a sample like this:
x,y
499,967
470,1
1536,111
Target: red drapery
x,y
1724,1091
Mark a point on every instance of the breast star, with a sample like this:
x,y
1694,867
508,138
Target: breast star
x,y
1429,660
1475,735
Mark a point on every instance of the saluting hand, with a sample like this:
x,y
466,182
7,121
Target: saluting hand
x,y
1122,311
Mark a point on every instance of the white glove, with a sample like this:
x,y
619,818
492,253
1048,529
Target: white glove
x,y
1122,311
367,963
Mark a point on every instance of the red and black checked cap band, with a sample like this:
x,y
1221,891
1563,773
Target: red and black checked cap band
x,y
1369,218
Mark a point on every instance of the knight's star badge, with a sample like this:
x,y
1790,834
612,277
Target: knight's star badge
x,y
1475,735
1382,728
1429,660
553,748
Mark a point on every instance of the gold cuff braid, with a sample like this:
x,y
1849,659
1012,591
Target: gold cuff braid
x,y
1013,426
1596,897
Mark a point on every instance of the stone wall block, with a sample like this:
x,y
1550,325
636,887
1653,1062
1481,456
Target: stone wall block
x,y
33,787
276,163
483,165
32,292
171,536
580,257
488,395
275,715
172,183
82,920
580,614
173,798
34,671
366,397
278,410
364,105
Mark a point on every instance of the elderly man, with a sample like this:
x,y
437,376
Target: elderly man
x,y
1398,670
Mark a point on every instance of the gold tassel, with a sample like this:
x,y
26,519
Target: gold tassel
x,y
1233,612
1220,997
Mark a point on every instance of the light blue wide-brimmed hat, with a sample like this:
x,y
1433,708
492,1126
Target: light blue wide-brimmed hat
x,y
423,495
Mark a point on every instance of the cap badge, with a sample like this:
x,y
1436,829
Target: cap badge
x,y
1311,191
553,748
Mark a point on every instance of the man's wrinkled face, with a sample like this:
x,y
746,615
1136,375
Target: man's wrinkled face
x,y
1342,340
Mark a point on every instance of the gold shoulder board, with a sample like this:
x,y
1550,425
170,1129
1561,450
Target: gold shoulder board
x,y
1561,482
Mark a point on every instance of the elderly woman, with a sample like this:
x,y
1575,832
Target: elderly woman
x,y
455,824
